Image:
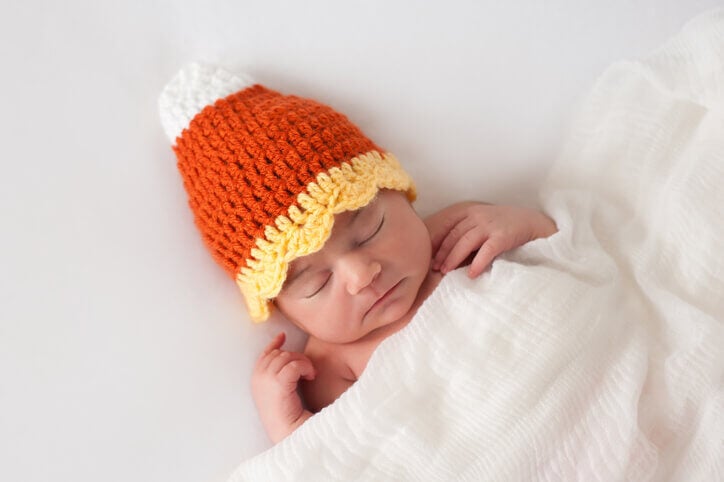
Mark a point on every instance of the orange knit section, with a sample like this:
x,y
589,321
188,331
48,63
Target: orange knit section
x,y
245,159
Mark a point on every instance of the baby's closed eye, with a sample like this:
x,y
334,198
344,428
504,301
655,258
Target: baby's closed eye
x,y
317,285
378,227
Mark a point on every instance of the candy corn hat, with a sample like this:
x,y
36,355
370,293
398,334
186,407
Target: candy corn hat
x,y
265,173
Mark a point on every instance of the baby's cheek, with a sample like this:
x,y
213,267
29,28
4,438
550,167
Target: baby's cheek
x,y
423,243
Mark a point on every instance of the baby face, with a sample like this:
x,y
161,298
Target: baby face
x,y
366,276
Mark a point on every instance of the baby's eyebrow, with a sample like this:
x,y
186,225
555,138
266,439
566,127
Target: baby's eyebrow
x,y
357,212
295,276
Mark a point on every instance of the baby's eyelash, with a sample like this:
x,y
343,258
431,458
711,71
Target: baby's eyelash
x,y
376,231
320,288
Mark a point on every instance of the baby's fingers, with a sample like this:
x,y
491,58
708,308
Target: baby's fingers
x,y
443,229
271,351
466,244
449,242
275,344
294,370
487,252
280,358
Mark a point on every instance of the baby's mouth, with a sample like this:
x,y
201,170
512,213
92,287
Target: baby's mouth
x,y
385,296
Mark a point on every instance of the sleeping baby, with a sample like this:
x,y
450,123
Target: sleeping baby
x,y
311,218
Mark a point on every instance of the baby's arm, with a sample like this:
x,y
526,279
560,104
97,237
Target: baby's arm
x,y
483,230
274,386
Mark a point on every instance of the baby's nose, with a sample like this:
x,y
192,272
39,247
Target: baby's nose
x,y
360,274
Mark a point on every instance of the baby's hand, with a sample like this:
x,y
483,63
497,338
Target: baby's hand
x,y
488,229
274,386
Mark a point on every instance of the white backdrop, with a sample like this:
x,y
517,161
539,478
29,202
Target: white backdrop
x,y
125,352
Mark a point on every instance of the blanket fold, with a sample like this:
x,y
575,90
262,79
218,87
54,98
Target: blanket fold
x,y
595,354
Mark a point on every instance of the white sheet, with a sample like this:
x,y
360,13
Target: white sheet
x,y
595,354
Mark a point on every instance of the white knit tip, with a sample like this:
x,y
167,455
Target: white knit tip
x,y
194,87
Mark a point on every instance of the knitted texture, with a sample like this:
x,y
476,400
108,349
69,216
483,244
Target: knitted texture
x,y
265,174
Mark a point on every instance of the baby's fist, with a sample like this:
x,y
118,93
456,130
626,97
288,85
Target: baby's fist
x,y
274,386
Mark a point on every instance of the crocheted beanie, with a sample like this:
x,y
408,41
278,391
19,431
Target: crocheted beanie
x,y
265,173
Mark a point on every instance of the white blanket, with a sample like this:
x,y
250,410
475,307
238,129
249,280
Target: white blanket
x,y
595,354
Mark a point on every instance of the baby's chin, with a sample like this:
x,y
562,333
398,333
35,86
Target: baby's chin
x,y
388,317
396,312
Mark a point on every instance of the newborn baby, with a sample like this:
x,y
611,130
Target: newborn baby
x,y
311,217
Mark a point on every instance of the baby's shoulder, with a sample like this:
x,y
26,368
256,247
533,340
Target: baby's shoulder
x,y
332,374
